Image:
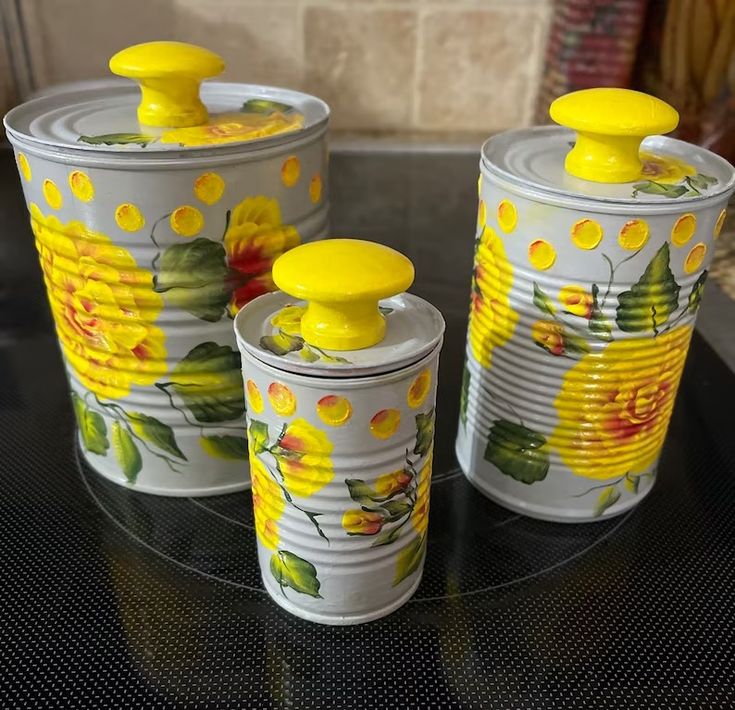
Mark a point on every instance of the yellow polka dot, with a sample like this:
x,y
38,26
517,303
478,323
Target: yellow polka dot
x,y
209,188
290,171
81,186
128,217
255,399
52,194
541,254
187,221
695,258
385,423
586,233
24,167
479,184
720,222
683,229
282,399
419,389
334,410
315,189
481,214
633,234
507,215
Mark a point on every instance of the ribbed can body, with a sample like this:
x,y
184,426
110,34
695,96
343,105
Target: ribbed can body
x,y
341,473
145,262
580,319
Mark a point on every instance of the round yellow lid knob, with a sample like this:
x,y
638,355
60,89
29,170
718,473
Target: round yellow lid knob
x,y
610,125
342,281
169,74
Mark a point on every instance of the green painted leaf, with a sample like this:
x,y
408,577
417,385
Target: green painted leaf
x,y
360,491
657,188
409,559
650,302
155,432
265,106
258,433
292,571
695,295
463,394
195,277
396,509
598,324
209,383
424,433
609,497
631,483
575,343
118,139
225,446
308,354
387,537
700,181
126,452
281,344
92,427
519,452
542,301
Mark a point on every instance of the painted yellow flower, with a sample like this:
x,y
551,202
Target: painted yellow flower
x,y
268,503
420,515
304,458
288,319
233,127
665,169
549,335
391,483
614,405
576,300
255,238
104,307
362,522
492,320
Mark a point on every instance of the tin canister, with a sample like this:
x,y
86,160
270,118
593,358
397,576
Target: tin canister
x,y
340,375
588,273
153,230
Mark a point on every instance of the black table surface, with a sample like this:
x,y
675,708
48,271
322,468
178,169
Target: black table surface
x,y
116,599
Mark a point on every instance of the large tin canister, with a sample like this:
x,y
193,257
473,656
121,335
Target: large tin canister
x,y
153,230
341,403
591,256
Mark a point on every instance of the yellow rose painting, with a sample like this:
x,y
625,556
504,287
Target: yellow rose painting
x,y
614,405
492,320
268,503
104,307
303,458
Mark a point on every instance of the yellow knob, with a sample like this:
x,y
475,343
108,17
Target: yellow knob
x,y
610,125
169,74
342,281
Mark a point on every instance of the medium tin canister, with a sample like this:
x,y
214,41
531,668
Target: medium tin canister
x,y
153,230
341,402
591,256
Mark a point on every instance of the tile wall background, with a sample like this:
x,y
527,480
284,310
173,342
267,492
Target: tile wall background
x,y
434,66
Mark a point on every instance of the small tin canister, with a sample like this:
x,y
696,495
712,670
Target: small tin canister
x,y
158,213
591,256
340,376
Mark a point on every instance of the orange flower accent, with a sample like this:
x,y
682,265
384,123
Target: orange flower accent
x,y
576,300
548,335
362,522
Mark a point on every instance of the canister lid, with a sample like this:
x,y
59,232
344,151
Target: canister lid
x,y
609,149
341,312
168,110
